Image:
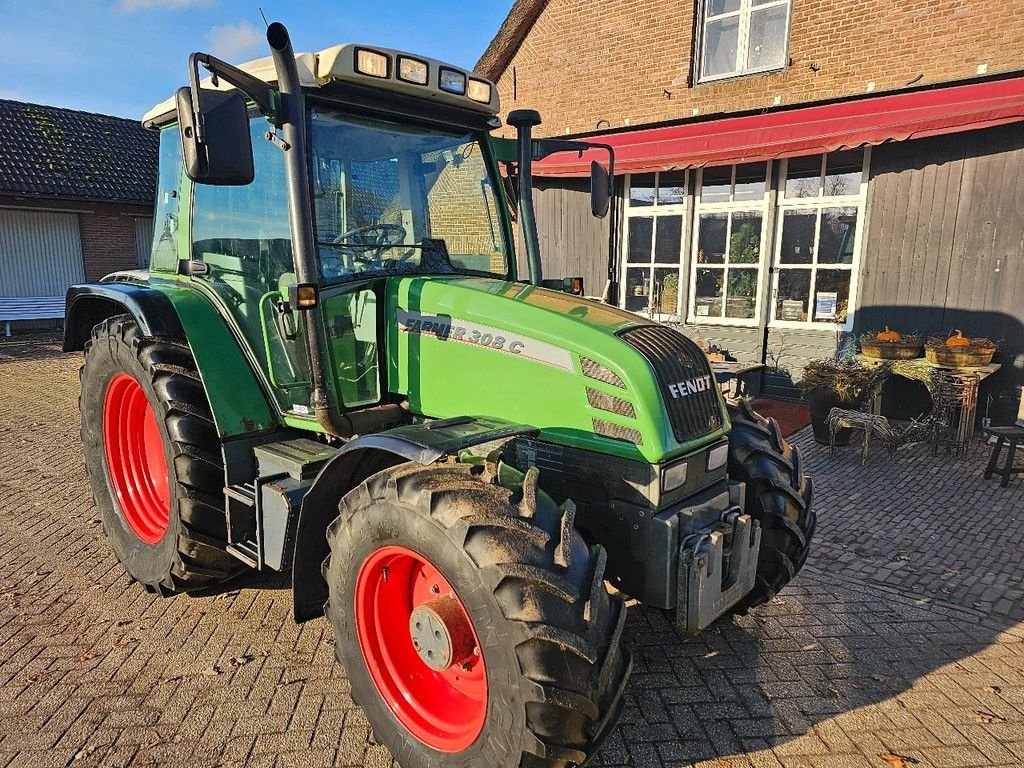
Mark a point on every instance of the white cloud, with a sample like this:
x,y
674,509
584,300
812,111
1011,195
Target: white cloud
x,y
235,41
129,6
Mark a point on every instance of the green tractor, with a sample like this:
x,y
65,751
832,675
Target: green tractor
x,y
330,369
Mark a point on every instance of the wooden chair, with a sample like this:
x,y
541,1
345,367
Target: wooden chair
x,y
1009,437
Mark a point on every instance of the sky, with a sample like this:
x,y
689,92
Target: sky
x,y
120,57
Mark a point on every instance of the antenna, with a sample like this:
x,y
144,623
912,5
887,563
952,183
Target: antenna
x,y
260,9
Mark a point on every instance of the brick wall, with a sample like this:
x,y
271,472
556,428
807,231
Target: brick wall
x,y
629,62
463,213
108,243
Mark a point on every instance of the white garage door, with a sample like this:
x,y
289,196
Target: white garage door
x,y
40,253
143,241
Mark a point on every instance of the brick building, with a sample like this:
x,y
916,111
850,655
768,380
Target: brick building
x,y
76,197
788,168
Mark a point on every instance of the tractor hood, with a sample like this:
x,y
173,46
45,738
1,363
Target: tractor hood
x,y
586,374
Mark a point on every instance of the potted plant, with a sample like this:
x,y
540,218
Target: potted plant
x,y
834,383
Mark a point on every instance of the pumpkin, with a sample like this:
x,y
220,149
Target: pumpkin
x,y
888,335
958,340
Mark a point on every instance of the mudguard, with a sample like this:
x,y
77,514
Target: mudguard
x,y
422,443
170,310
88,304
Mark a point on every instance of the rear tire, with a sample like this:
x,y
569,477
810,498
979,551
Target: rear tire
x,y
548,631
153,457
778,496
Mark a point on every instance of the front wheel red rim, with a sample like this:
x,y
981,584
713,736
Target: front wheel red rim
x,y
445,709
136,464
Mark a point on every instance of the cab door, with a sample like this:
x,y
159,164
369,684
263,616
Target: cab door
x,y
241,252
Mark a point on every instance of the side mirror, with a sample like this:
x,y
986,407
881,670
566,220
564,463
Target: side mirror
x,y
215,143
600,190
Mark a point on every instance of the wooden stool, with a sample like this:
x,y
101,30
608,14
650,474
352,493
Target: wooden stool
x,y
1011,437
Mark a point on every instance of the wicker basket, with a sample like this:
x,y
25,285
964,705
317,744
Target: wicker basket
x,y
959,357
907,348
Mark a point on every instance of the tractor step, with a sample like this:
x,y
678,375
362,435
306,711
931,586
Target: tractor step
x,y
247,552
262,514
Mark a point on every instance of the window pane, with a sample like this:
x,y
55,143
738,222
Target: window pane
x,y
794,291
641,189
741,292
668,239
718,7
843,172
638,288
715,184
831,295
745,241
672,188
640,229
802,176
711,238
707,300
797,237
767,45
666,287
720,41
165,240
750,181
836,239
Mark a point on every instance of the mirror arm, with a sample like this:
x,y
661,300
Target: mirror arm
x,y
265,97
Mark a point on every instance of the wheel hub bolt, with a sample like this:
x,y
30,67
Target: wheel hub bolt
x,y
441,633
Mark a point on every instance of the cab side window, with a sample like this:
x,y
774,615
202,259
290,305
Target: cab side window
x,y
164,257
242,235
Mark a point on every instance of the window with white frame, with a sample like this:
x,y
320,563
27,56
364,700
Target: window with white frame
x,y
742,37
819,225
655,224
726,271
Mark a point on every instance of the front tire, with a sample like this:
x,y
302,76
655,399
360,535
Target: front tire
x,y
152,453
778,496
531,670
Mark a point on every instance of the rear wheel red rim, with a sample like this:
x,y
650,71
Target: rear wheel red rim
x,y
443,709
136,464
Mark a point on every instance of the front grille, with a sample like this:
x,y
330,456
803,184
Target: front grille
x,y
680,367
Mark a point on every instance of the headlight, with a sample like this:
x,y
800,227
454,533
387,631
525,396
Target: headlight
x,y
673,476
452,81
479,91
412,70
717,457
371,63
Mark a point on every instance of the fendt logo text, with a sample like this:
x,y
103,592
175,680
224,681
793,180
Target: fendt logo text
x,y
690,386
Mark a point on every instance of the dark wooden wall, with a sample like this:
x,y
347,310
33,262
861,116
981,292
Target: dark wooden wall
x,y
572,242
945,241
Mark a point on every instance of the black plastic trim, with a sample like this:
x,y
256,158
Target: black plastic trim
x,y
91,303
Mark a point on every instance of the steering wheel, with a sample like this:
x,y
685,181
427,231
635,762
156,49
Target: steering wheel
x,y
379,237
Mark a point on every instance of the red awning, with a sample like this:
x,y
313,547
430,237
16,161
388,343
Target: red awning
x,y
805,131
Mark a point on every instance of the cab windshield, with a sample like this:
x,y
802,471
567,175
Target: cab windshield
x,y
393,198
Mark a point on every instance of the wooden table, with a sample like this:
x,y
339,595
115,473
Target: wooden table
x,y
969,407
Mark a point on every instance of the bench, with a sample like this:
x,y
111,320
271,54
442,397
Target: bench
x,y
29,308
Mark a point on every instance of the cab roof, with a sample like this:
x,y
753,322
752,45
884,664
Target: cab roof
x,y
336,64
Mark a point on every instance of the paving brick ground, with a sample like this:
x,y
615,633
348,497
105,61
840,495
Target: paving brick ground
x,y
867,654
